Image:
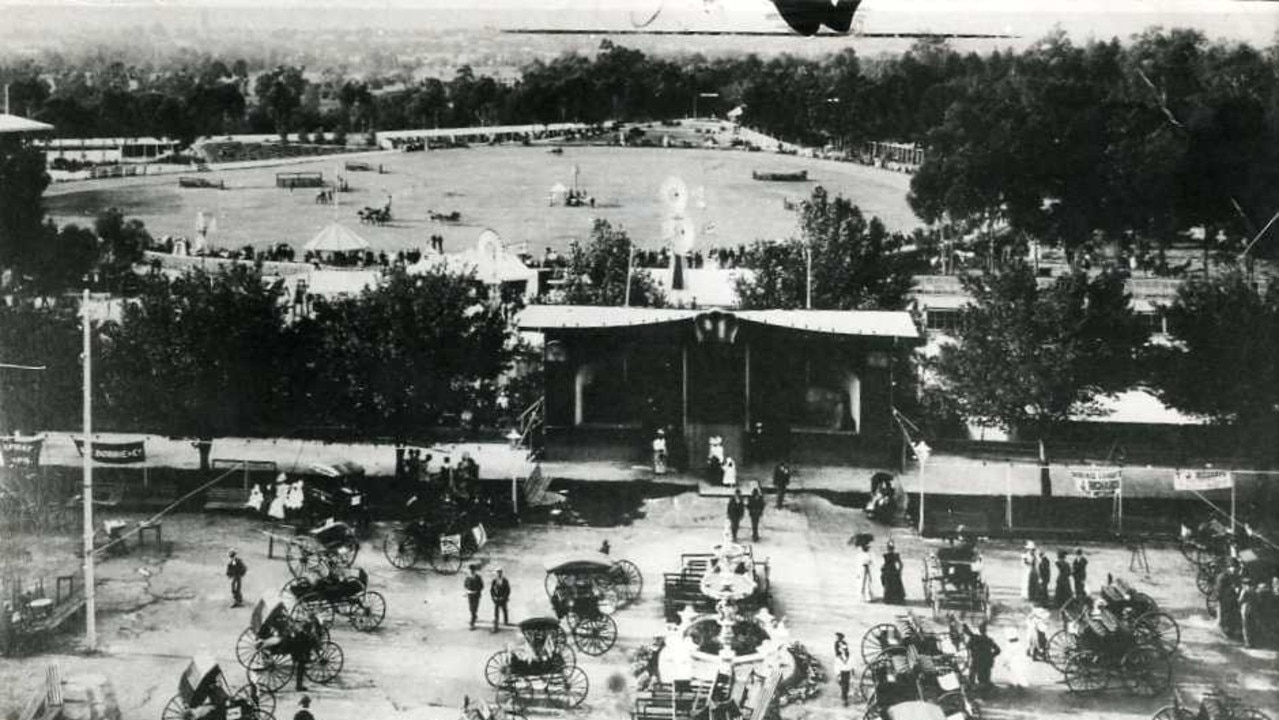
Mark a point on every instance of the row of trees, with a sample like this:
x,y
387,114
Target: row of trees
x,y
212,354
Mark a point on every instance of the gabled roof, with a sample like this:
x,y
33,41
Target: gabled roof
x,y
873,323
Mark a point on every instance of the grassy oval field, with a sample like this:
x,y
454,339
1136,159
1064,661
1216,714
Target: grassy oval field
x,y
504,188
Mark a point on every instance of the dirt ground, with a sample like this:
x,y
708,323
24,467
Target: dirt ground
x,y
157,608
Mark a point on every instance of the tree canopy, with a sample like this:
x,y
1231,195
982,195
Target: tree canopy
x,y
1028,355
597,271
856,263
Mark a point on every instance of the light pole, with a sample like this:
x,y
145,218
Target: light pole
x,y
808,274
90,610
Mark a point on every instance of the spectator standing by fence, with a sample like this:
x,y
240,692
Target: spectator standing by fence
x,y
736,508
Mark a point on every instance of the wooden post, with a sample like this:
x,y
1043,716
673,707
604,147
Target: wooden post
x,y
1008,495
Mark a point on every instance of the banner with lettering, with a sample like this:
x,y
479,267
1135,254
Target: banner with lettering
x,y
115,453
16,452
1098,482
1197,480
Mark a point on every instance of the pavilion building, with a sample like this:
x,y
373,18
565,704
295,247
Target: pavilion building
x,y
812,386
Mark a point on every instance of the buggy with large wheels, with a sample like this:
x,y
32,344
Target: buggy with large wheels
x,y
280,637
586,610
544,670
334,593
953,580
913,632
908,676
484,710
333,544
444,541
203,692
338,490
1102,652
618,580
1120,605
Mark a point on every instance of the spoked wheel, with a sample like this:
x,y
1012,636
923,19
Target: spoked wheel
x,y
400,549
515,692
1084,672
1206,578
1158,630
566,658
594,635
175,709
367,611
571,687
446,559
627,579
1250,713
245,646
983,601
297,587
1060,647
258,697
1146,670
325,663
496,668
304,558
865,689
878,640
270,670
1173,713
1210,602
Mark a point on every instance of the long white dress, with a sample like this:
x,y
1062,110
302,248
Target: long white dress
x,y
1028,564
730,472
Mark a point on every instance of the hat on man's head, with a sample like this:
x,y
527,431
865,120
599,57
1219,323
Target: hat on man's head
x,y
305,701
1030,544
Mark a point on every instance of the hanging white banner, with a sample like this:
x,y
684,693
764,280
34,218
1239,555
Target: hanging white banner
x,y
1098,482
1197,480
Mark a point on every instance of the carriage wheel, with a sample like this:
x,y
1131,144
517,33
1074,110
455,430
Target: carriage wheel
x,y
245,646
878,639
496,668
313,608
956,704
564,652
865,690
595,635
175,709
304,558
400,549
1060,647
572,685
1210,603
1147,671
270,670
262,701
368,610
344,553
551,582
1159,630
1073,609
446,559
1250,713
1084,672
325,663
627,579
1174,713
514,692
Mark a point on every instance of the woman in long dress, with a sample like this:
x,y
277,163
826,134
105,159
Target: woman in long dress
x,y
890,574
1062,592
730,472
1029,574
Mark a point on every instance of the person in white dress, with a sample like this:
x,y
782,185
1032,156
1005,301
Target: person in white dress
x,y
865,567
730,472
1028,569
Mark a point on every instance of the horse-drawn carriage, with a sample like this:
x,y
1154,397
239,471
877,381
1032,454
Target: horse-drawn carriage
x,y
1119,605
338,490
908,676
1100,648
1215,705
278,638
334,593
203,692
953,579
909,637
545,669
333,544
443,539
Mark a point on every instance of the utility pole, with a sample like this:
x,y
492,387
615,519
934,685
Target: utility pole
x,y
808,275
90,614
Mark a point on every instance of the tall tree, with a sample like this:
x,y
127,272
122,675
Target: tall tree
x,y
856,263
280,93
22,183
397,358
1028,355
597,272
1223,362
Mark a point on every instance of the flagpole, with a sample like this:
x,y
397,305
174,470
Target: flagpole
x,y
90,614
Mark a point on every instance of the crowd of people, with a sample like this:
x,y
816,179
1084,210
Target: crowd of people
x,y
1247,605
